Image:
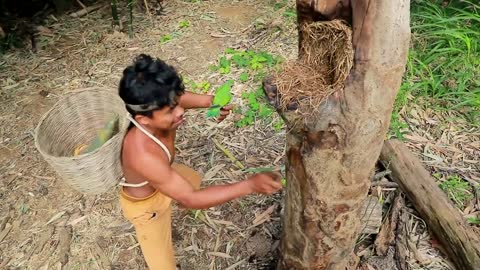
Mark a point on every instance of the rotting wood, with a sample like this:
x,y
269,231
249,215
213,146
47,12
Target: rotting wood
x,y
331,153
461,242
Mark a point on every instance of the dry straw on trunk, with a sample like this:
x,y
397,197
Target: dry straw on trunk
x,y
322,68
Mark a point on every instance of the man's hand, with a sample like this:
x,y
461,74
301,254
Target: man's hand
x,y
265,183
224,112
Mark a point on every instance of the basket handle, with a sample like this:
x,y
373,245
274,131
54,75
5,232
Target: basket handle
x,y
156,140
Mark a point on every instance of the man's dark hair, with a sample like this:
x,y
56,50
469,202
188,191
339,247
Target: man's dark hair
x,y
150,84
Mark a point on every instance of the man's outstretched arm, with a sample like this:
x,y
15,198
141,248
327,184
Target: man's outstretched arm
x,y
191,100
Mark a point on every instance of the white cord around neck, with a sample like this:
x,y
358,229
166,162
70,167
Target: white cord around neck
x,y
142,129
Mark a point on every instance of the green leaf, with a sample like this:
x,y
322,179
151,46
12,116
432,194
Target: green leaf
x,y
244,77
284,182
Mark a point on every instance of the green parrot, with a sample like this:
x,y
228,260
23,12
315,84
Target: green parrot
x,y
103,135
222,98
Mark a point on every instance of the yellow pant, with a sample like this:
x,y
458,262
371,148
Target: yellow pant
x,y
151,217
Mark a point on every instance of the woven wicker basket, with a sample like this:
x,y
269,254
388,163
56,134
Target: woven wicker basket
x,y
75,120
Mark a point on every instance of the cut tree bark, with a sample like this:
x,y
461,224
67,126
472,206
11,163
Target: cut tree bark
x,y
461,242
332,152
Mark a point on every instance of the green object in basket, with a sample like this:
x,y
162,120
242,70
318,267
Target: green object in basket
x,y
103,135
222,98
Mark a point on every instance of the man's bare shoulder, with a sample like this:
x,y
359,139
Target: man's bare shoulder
x,y
140,152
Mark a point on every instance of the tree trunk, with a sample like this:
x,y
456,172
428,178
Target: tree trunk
x,y
332,152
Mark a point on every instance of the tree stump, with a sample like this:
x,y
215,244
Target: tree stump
x,y
333,145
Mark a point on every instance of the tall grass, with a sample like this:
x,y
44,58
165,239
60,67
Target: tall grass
x,y
444,59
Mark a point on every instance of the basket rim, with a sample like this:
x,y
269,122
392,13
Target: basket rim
x,y
66,96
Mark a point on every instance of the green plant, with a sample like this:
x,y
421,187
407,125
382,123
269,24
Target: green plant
x,y
224,65
23,208
201,87
290,13
473,220
457,190
197,213
166,38
280,4
397,126
278,125
243,77
255,63
184,24
256,108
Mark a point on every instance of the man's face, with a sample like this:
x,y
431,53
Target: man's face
x,y
167,118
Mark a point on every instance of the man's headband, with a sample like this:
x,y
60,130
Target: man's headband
x,y
142,107
150,106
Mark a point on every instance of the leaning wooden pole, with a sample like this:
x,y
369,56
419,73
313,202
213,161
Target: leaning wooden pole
x,y
461,242
331,153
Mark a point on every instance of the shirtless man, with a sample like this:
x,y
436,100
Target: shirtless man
x,y
154,95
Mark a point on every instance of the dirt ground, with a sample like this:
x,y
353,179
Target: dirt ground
x,y
44,224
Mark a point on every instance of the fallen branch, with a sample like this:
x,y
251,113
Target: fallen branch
x,y
380,175
85,11
228,154
444,220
